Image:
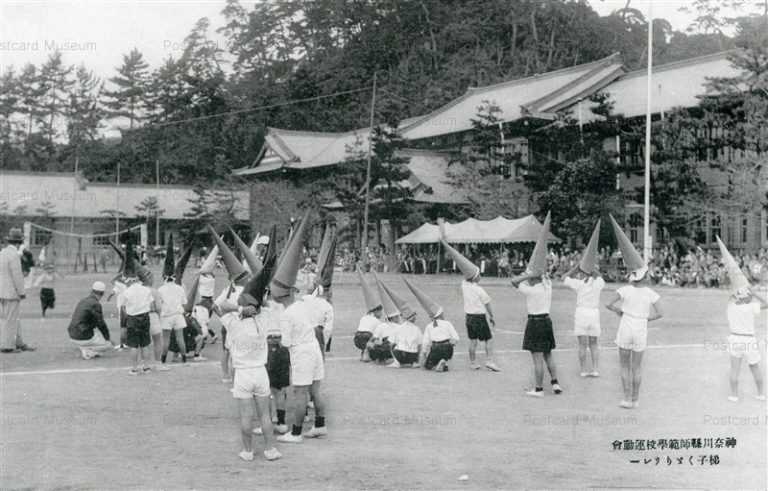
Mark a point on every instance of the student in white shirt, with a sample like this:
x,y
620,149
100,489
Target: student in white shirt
x,y
172,300
439,337
539,337
406,341
479,319
637,301
370,321
322,312
119,287
586,324
226,307
743,309
138,303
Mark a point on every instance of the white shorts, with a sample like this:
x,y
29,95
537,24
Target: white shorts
x,y
586,322
155,325
306,364
744,347
250,382
632,333
173,322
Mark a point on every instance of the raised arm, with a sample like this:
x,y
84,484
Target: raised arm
x,y
759,297
657,311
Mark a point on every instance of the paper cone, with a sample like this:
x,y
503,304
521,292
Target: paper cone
x,y
234,268
169,265
253,263
192,294
433,308
254,291
402,305
271,251
736,276
326,268
288,267
632,258
130,268
589,258
537,264
468,269
181,265
209,265
390,309
372,301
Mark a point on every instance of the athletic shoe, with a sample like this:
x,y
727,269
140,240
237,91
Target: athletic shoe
x,y
25,347
394,364
760,397
534,393
290,438
258,431
557,389
625,404
133,371
474,366
492,367
586,374
594,373
146,369
733,398
317,432
163,368
440,367
246,456
272,454
281,429
199,358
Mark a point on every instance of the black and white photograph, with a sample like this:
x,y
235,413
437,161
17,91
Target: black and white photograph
x,y
383,244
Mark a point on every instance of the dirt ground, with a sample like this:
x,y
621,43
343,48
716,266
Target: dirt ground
x,y
67,423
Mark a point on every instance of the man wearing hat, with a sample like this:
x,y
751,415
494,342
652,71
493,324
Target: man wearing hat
x,y
298,335
440,336
368,322
637,301
539,337
588,284
11,294
87,329
743,310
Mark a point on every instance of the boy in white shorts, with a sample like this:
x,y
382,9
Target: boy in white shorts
x,y
637,300
588,284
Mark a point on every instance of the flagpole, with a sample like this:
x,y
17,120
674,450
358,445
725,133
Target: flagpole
x,y
117,205
647,201
157,210
364,242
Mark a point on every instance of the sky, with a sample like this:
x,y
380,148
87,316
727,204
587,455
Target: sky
x,y
98,33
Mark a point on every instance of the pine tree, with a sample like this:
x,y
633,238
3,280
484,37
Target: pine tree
x,y
84,113
55,83
128,100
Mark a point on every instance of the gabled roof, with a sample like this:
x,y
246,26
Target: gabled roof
x,y
75,196
517,98
677,84
429,179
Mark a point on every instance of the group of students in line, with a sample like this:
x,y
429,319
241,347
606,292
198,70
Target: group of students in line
x,y
386,334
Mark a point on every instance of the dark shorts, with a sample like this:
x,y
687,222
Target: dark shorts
x,y
123,319
361,339
478,328
539,337
381,352
47,298
138,330
438,351
207,302
405,357
278,364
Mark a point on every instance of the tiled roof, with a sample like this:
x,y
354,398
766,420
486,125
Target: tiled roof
x,y
76,196
515,98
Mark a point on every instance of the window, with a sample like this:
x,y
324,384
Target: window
x,y
744,229
101,241
41,237
635,228
731,230
714,226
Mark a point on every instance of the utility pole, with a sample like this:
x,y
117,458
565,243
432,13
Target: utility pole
x,y
647,195
364,242
157,210
117,205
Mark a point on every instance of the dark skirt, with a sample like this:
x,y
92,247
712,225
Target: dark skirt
x,y
381,352
362,338
320,336
278,364
539,337
439,351
405,357
47,298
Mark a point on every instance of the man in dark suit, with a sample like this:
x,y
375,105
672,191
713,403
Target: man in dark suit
x,y
87,330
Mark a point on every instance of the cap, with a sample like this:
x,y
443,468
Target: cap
x,y
98,286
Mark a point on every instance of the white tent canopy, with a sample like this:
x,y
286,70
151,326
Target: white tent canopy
x,y
471,231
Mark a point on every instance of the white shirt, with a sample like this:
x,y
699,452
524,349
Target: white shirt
x,y
385,329
272,312
444,330
138,299
321,312
407,337
475,297
247,341
587,292
296,325
741,317
228,300
119,291
206,285
637,302
368,323
538,298
172,299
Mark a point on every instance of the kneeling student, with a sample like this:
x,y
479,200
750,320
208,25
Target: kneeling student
x,y
440,336
406,337
369,322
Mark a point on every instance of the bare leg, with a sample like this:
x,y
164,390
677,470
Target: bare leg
x,y
550,365
538,369
757,374
734,376
158,345
180,343
262,407
594,350
318,398
166,343
637,368
246,408
300,396
489,350
582,353
626,381
472,350
135,357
